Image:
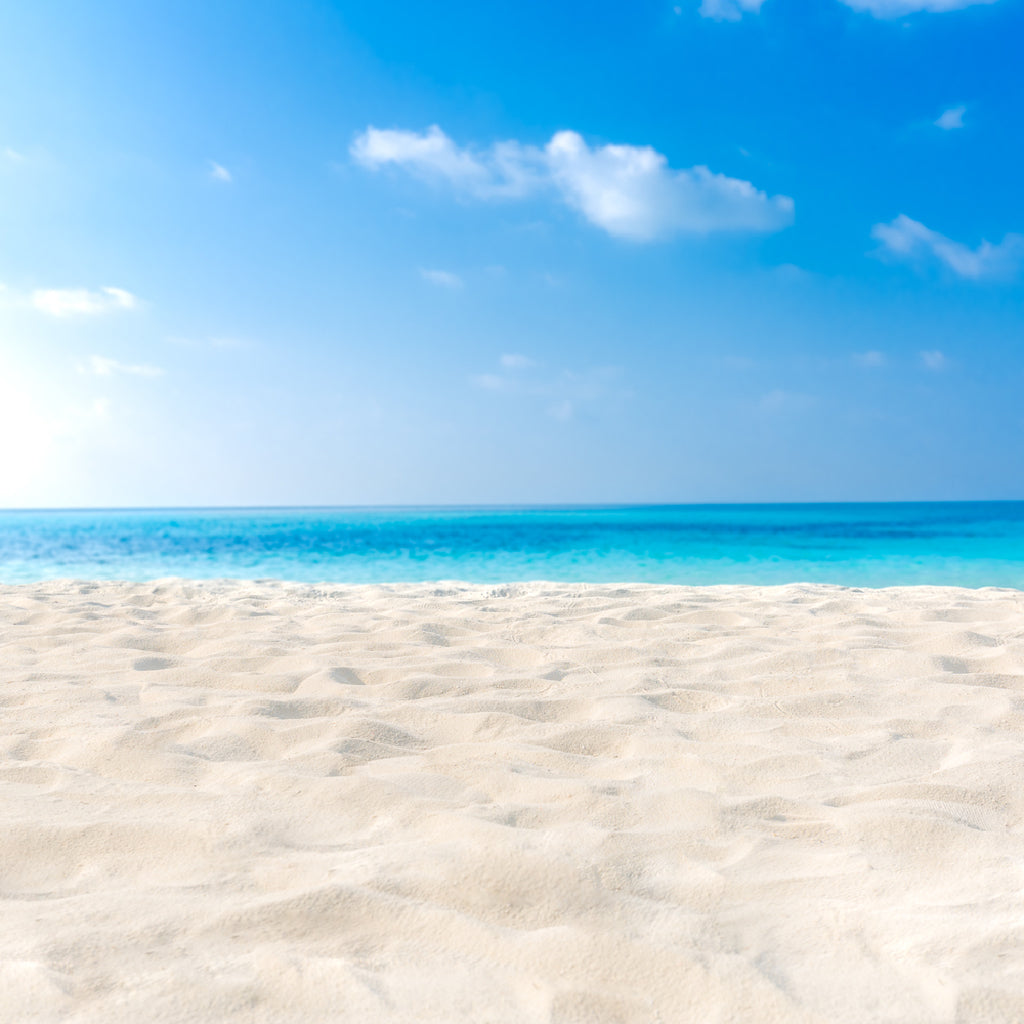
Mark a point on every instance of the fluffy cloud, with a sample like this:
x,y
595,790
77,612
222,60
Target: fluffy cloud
x,y
219,173
104,367
431,153
629,191
64,302
950,119
912,242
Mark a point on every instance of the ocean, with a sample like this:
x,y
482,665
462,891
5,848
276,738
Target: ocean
x,y
970,544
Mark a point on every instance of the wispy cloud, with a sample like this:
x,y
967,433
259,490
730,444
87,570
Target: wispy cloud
x,y
431,154
66,302
934,360
951,118
506,170
562,393
733,10
516,361
101,366
442,278
910,241
218,172
728,10
628,191
13,155
901,8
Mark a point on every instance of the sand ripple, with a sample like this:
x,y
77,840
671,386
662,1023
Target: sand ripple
x,y
539,802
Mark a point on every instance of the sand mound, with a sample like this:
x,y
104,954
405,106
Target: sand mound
x,y
271,802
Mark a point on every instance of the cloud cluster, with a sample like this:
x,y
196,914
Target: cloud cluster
x,y
628,191
67,302
910,241
733,10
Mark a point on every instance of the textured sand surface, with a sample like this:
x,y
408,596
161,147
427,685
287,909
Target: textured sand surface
x,y
270,802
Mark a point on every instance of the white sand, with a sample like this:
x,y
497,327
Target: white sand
x,y
269,802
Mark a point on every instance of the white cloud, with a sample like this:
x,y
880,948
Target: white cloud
x,y
442,278
911,241
733,10
104,367
503,170
950,119
900,8
934,360
728,10
561,394
64,302
13,155
629,191
219,173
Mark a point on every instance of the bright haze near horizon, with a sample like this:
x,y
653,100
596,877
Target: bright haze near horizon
x,y
324,253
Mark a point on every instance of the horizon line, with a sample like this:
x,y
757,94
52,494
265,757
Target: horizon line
x,y
495,506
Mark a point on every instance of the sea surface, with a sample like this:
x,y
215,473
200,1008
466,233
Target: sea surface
x,y
971,544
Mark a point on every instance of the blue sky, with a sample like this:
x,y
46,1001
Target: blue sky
x,y
338,253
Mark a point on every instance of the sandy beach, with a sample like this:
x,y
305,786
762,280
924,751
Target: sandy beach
x,y
539,802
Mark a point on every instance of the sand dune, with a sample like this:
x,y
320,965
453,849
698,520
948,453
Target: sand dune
x,y
541,802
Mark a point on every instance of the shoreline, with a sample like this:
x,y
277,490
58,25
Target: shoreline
x,y
261,800
270,582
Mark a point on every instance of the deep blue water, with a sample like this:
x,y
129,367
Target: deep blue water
x,y
970,544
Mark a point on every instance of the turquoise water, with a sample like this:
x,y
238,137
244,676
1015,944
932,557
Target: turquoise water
x,y
965,544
